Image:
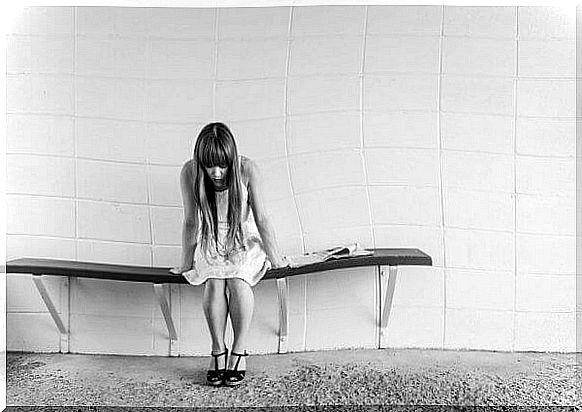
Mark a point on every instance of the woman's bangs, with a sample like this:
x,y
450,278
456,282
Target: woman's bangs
x,y
215,154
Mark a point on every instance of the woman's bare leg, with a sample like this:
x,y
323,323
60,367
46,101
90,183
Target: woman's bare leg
x,y
216,310
241,305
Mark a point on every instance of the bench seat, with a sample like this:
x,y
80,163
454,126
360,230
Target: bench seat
x,y
160,277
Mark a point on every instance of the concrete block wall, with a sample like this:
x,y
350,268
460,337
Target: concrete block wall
x,y
450,129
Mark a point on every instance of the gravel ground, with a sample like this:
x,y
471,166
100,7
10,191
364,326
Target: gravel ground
x,y
344,377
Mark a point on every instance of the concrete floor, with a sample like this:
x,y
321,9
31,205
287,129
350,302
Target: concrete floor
x,y
344,377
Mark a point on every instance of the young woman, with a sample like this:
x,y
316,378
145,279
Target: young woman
x,y
224,245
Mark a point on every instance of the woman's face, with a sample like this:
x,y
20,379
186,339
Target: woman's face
x,y
217,174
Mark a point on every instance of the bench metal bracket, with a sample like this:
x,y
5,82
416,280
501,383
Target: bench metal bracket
x,y
162,291
283,297
386,305
40,286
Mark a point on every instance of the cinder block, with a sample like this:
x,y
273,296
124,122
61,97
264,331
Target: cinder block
x,y
114,298
22,295
194,336
392,92
479,329
180,59
546,98
297,314
31,332
260,139
40,93
546,293
490,172
113,221
114,252
178,101
418,286
479,56
341,301
49,21
39,55
329,54
479,290
547,58
167,225
112,334
333,208
546,215
170,144
323,131
546,254
166,256
405,205
543,22
413,20
29,133
554,177
323,170
110,56
120,21
477,95
466,249
40,175
39,216
496,22
284,218
181,22
114,182
165,186
113,98
274,179
338,20
546,137
415,327
415,167
554,332
253,99
251,59
259,22
41,247
336,237
478,210
111,140
402,54
401,129
323,94
428,239
483,133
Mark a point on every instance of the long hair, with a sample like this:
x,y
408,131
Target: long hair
x,y
215,146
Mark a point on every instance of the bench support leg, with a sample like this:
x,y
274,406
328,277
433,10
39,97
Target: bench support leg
x,y
387,304
161,292
53,311
283,294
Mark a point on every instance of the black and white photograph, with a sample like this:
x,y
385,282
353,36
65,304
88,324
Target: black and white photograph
x,y
222,205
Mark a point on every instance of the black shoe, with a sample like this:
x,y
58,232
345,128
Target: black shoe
x,y
216,377
234,377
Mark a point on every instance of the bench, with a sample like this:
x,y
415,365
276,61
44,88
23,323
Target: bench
x,y
161,278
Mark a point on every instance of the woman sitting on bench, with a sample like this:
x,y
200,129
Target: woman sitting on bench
x,y
221,246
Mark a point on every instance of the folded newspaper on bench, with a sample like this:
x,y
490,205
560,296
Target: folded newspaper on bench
x,y
339,252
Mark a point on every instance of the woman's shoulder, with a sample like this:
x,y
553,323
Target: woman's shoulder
x,y
189,169
248,167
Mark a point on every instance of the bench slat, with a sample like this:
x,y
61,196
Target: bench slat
x,y
131,273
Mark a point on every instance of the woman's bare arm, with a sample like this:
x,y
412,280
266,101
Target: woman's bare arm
x,y
257,202
190,223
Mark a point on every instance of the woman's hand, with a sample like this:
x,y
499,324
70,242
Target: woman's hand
x,y
178,270
282,262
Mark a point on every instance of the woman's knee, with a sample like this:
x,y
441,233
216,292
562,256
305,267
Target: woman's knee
x,y
215,287
238,286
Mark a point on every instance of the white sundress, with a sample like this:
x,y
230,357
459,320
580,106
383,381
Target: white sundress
x,y
249,264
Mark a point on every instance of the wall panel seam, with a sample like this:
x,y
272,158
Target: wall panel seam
x,y
514,203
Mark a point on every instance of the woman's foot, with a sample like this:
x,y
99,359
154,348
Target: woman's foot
x,y
217,369
235,373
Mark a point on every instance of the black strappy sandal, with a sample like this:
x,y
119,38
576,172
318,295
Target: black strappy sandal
x,y
216,377
234,377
